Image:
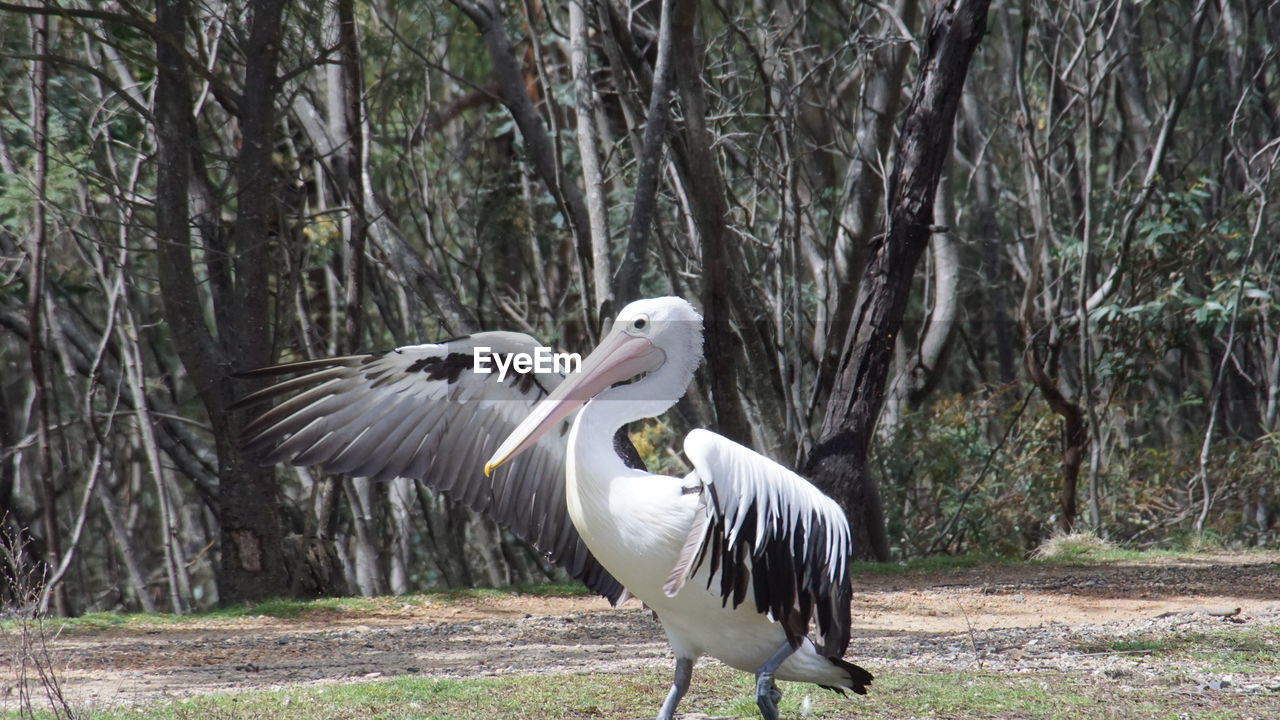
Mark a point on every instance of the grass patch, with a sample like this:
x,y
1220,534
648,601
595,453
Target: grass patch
x,y
1083,546
416,698
289,609
931,563
1143,645
1078,545
717,691
1236,650
548,589
1074,548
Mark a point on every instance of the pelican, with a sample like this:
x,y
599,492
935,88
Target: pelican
x,y
736,559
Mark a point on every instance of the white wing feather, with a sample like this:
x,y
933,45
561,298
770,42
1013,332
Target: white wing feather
x,y
765,529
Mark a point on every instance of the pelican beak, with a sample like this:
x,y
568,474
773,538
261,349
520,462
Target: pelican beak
x,y
619,357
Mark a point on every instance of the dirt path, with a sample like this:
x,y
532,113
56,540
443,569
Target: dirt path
x,y
990,617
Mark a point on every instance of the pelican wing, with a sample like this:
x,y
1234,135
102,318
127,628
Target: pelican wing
x,y
767,531
422,411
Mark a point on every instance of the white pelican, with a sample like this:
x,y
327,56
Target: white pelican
x,y
735,559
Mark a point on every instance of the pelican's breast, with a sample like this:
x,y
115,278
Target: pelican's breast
x,y
634,522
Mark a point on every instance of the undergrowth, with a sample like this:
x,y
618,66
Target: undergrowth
x,y
983,475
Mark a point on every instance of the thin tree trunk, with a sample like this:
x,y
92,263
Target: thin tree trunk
x,y
649,159
863,193
175,561
489,20
45,487
995,313
362,498
705,188
400,499
909,386
346,124
124,545
446,523
838,462
54,580
1219,385
589,152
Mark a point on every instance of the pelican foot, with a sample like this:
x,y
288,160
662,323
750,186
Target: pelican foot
x,y
767,692
767,696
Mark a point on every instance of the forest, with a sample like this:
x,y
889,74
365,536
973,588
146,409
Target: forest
x,y
986,272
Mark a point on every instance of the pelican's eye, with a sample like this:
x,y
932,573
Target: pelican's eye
x,y
640,322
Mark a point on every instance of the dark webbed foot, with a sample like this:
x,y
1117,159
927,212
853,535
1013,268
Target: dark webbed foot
x,y
767,692
767,697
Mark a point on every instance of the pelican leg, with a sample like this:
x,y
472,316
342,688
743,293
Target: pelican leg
x,y
679,686
767,692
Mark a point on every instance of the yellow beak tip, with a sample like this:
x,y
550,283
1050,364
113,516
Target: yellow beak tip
x,y
488,468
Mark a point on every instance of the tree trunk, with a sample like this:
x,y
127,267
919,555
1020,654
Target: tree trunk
x,y
862,191
252,548
46,491
125,546
1075,436
920,371
838,463
649,160
708,197
589,152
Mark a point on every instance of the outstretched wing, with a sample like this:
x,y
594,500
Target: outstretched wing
x,y
769,531
422,411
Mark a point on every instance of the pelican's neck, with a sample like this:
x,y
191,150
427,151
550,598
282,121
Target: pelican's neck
x,y
591,440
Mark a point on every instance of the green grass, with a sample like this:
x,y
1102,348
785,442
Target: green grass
x,y
897,694
1071,549
932,563
289,609
1084,547
1243,650
716,691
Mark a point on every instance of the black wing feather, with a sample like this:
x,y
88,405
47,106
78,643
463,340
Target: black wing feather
x,y
772,536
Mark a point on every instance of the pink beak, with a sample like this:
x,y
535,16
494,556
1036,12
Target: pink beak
x,y
619,357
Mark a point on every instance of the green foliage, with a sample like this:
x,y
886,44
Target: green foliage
x,y
935,493
657,443
939,454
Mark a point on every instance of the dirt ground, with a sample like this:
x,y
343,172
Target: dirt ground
x,y
1020,618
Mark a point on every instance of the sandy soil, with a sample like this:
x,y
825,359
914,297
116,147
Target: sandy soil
x,y
990,617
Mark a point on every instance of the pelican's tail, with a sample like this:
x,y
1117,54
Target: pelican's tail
x,y
858,679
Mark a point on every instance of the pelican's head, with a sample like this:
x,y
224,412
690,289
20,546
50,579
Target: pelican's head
x,y
646,337
669,324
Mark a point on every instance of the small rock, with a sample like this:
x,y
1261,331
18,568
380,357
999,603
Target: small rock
x,y
1215,684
